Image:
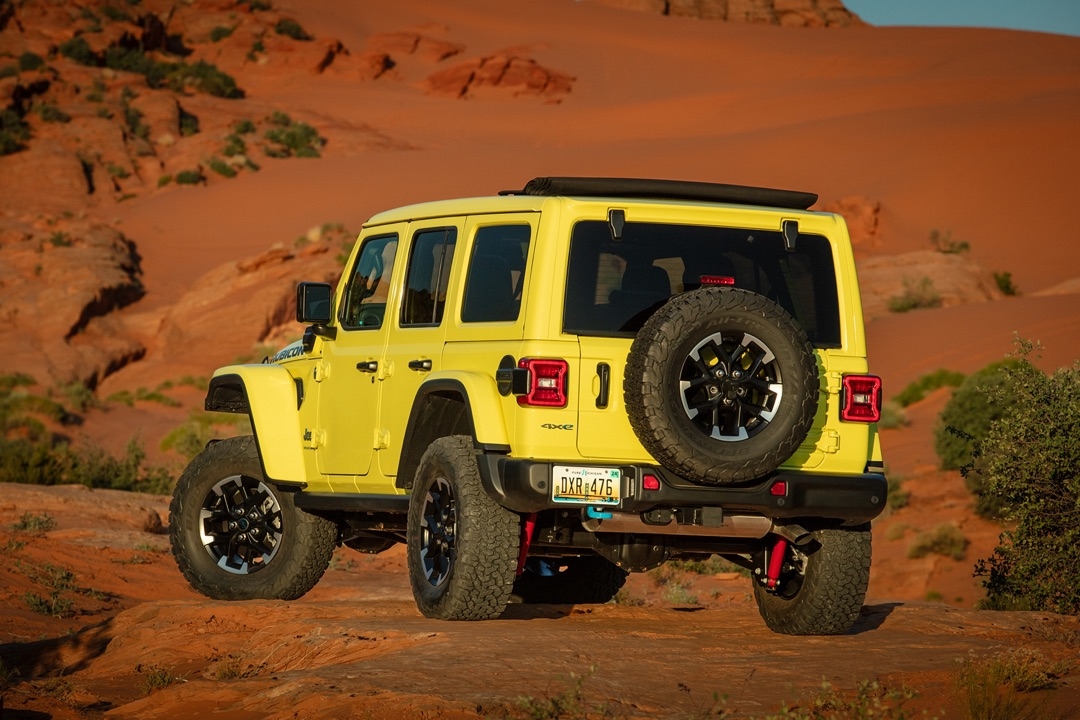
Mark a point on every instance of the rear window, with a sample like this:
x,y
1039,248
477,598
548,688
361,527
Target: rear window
x,y
613,286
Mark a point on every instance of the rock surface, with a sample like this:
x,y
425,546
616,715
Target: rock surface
x,y
789,13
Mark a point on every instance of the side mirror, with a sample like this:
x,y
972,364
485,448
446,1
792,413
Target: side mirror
x,y
314,303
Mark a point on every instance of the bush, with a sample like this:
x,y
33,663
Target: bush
x,y
202,77
78,50
291,28
1005,283
190,438
915,296
917,389
189,123
291,138
944,243
1031,461
982,398
190,177
220,32
13,132
30,61
946,540
892,415
221,167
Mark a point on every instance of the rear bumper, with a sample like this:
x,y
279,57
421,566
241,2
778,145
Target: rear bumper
x,y
525,486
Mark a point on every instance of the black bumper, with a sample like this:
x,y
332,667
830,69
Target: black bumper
x,y
525,486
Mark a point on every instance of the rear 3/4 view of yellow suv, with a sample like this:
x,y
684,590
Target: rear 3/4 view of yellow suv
x,y
541,391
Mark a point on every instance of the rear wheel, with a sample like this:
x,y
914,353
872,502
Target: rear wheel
x,y
821,588
585,580
236,536
462,545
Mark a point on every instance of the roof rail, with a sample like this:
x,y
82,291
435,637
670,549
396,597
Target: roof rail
x,y
666,190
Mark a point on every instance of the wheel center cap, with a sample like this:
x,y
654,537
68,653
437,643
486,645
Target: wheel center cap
x,y
242,523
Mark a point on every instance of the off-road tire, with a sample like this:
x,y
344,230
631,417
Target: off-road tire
x,y
304,545
585,580
462,545
662,355
825,594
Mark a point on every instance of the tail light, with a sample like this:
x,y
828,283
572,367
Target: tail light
x,y
860,398
546,382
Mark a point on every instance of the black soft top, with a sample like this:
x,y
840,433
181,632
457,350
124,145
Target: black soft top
x,y
666,190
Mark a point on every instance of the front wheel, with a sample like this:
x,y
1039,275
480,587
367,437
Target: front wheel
x,y
236,536
821,586
462,545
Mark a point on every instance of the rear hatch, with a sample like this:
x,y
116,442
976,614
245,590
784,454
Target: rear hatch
x,y
614,285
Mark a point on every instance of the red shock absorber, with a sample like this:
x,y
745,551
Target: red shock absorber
x,y
776,563
527,528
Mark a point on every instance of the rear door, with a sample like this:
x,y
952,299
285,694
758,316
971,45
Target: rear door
x,y
416,332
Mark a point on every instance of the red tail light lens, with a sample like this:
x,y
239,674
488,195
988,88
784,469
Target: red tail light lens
x,y
547,382
860,398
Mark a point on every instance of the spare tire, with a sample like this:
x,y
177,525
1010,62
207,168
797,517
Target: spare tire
x,y
721,385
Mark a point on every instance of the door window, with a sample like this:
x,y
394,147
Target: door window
x,y
427,277
369,284
496,274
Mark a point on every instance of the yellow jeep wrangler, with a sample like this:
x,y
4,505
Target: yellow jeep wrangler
x,y
541,391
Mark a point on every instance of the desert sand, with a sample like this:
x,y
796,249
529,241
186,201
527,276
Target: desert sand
x,y
905,131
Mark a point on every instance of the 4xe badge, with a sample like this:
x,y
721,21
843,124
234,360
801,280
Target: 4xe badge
x,y
552,426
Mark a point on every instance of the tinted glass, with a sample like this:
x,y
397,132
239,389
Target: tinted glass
x,y
365,296
613,286
496,274
429,271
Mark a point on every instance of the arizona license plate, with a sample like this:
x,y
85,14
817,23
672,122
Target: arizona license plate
x,y
586,485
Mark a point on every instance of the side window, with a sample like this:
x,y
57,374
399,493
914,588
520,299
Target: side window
x,y
369,285
428,273
496,274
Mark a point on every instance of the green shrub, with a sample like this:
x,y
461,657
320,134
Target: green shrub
x,y
29,522
8,71
244,127
201,77
13,132
78,50
221,167
892,415
897,496
1005,283
190,177
189,124
946,540
944,243
916,296
117,171
291,28
201,427
1031,461
234,145
982,398
917,389
993,688
220,32
256,4
30,61
49,461
291,138
133,119
128,60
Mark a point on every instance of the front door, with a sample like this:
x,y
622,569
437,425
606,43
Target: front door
x,y
348,376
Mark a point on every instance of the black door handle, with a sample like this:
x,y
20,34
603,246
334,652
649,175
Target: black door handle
x,y
369,366
420,365
604,371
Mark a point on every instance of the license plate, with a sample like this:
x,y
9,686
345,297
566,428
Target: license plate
x,y
586,485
